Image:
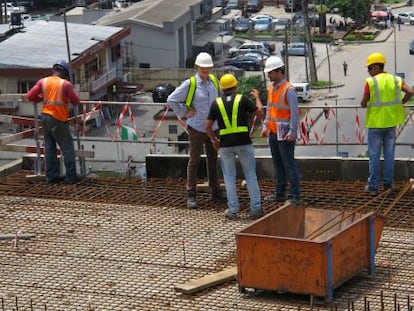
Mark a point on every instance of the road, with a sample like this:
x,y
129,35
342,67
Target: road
x,y
395,48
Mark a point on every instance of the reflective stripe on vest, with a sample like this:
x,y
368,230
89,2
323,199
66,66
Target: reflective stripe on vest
x,y
53,103
279,110
192,88
231,128
384,108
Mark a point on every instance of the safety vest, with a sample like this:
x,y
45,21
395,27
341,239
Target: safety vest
x,y
192,88
230,128
53,102
278,108
384,108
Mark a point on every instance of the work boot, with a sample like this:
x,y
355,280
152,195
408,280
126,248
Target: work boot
x,y
373,192
275,198
217,195
229,215
257,214
73,179
191,200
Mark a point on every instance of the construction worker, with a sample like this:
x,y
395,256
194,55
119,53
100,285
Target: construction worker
x,y
56,92
281,126
192,99
384,102
231,111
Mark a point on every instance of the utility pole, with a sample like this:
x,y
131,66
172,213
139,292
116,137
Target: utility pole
x,y
308,43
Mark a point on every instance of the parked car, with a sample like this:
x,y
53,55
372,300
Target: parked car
x,y
242,25
248,61
406,17
249,47
411,49
161,92
296,49
262,24
234,4
11,8
254,5
303,90
282,24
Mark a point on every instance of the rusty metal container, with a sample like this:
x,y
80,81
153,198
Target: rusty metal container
x,y
306,250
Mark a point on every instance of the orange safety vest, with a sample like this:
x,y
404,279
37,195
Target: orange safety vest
x,y
278,108
54,103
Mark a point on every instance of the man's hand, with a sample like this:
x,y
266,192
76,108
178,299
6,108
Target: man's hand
x,y
190,113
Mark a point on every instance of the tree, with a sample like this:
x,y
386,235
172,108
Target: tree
x,y
309,45
358,10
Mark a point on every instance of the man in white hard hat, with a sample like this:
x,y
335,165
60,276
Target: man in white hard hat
x,y
192,99
281,128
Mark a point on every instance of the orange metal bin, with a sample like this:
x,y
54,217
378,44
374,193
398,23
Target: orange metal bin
x,y
306,250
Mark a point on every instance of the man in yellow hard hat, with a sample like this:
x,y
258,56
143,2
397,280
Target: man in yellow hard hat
x,y
231,111
384,102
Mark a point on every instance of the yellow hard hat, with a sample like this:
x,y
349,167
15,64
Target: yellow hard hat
x,y
228,81
375,58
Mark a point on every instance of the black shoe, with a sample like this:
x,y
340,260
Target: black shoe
x,y
390,187
275,198
217,195
257,215
55,180
191,200
72,180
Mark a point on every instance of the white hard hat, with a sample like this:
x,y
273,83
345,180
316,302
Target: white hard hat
x,y
272,63
204,60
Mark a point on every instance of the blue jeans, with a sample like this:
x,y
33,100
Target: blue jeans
x,y
56,131
285,167
247,160
378,138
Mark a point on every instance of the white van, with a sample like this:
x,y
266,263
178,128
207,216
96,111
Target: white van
x,y
303,90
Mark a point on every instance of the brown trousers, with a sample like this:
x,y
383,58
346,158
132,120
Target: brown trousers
x,y
198,140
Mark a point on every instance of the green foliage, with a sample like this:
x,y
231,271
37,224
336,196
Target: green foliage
x,y
359,37
322,37
246,84
321,83
358,11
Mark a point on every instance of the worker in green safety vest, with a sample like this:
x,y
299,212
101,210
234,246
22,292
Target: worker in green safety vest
x,y
384,102
232,111
192,100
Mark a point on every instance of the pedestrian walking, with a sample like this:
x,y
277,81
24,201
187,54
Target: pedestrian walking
x,y
345,65
326,111
56,92
280,126
192,100
384,102
399,22
231,111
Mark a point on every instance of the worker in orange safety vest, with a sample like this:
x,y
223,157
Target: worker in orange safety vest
x,y
56,92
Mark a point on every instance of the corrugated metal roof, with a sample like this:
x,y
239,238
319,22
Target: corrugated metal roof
x,y
41,43
152,12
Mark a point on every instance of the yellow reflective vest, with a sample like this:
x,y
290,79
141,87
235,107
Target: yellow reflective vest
x,y
192,88
384,108
231,127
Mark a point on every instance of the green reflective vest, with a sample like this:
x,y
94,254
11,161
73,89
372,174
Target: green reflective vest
x,y
384,108
230,128
192,88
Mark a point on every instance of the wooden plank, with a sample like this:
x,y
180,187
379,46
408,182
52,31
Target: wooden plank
x,y
196,285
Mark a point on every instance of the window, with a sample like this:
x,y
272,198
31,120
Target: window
x,y
172,129
24,86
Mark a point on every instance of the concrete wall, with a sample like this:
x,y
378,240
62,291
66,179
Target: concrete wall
x,y
345,169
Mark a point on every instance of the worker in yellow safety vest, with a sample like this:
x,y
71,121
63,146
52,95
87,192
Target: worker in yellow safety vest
x,y
232,111
384,102
192,100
